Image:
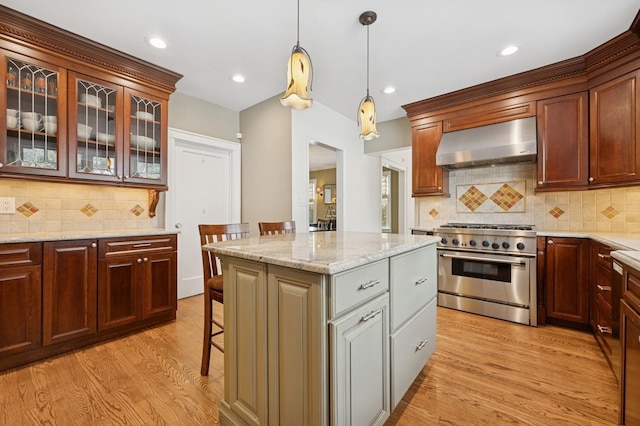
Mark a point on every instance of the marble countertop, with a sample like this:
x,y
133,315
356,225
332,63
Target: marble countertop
x,y
81,235
617,241
326,252
628,257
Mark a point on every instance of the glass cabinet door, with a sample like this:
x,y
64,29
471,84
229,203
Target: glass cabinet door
x,y
144,118
34,128
95,130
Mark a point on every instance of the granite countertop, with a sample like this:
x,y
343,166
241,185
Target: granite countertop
x,y
617,241
80,235
628,257
326,252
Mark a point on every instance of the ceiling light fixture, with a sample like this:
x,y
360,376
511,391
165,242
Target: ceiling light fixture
x,y
299,71
367,108
388,90
509,50
157,43
238,78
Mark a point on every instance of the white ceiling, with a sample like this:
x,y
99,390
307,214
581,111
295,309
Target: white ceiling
x,y
423,48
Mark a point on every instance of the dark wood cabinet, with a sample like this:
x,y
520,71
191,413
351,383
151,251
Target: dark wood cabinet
x,y
567,282
20,297
630,347
138,280
69,290
614,124
563,142
428,179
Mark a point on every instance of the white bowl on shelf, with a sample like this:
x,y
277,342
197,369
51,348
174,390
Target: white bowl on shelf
x,y
50,128
105,138
91,100
31,124
142,142
144,115
12,121
84,131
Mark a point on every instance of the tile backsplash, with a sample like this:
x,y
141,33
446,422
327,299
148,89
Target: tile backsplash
x,y
61,207
600,210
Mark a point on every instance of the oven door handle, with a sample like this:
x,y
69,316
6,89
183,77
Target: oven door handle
x,y
484,259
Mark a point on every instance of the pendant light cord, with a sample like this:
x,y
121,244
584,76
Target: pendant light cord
x,y
298,28
367,60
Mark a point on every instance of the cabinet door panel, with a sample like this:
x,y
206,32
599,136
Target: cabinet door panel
x,y
69,290
563,141
630,379
160,286
119,292
20,309
428,179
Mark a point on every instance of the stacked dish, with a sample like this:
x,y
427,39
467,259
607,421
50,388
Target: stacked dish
x,y
142,142
90,100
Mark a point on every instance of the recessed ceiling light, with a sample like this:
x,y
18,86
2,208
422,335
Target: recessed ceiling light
x,y
388,90
509,50
238,78
157,42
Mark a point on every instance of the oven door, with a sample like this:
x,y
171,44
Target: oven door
x,y
497,278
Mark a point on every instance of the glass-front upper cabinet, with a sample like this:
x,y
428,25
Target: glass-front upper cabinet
x,y
145,116
33,141
95,141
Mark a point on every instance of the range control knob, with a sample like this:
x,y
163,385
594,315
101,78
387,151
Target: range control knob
x,y
505,245
520,246
455,242
472,243
443,240
495,246
485,243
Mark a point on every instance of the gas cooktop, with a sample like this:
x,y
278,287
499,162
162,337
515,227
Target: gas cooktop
x,y
488,226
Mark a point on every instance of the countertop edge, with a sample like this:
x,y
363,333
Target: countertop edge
x,y
628,257
84,235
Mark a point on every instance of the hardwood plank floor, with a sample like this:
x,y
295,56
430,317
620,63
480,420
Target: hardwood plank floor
x,y
484,372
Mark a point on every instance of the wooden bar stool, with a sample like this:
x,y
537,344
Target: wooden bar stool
x,y
213,289
275,228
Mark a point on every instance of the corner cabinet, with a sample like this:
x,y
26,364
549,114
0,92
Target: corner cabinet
x,y
78,111
428,179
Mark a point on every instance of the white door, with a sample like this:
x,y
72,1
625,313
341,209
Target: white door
x,y
204,187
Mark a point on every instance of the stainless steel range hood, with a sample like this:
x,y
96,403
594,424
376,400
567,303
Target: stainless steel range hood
x,y
503,143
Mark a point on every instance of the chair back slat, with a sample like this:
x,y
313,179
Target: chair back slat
x,y
275,228
215,233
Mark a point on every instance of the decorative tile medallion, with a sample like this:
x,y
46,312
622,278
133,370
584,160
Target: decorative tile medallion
x,y
506,197
28,209
556,212
89,210
137,210
472,198
433,213
610,212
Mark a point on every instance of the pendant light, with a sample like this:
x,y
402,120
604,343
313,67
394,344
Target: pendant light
x,y
367,109
299,76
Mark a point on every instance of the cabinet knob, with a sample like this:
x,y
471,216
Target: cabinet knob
x,y
94,245
1,165
439,188
550,242
139,260
146,259
540,183
591,179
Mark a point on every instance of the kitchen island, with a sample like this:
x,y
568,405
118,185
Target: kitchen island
x,y
325,327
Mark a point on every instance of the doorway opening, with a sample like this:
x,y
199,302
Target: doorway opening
x,y
323,188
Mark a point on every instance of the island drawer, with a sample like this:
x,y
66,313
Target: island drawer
x,y
129,245
415,282
411,347
20,254
355,286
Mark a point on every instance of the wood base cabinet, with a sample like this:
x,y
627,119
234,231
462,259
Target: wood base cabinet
x,y
630,346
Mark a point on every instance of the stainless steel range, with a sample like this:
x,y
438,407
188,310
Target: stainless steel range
x,y
488,270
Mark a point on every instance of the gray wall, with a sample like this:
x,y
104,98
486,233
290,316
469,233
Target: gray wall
x,y
394,134
198,116
266,163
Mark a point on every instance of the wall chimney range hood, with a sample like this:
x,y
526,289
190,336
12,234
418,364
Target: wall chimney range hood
x,y
503,143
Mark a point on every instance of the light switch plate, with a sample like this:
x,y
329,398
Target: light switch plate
x,y
7,205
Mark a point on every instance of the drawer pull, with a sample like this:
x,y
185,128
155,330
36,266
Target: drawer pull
x,y
421,281
421,345
369,284
139,260
371,315
604,330
604,256
603,287
142,245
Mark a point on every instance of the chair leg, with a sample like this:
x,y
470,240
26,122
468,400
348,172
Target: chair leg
x,y
221,327
206,342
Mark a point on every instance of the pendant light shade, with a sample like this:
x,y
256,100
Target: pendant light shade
x,y
367,108
299,76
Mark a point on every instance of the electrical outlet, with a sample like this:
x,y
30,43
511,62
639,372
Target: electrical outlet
x,y
7,205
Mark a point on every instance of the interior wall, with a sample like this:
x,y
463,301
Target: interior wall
x,y
394,134
357,175
323,177
266,156
202,117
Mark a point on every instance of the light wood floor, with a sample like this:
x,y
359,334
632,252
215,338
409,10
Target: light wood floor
x,y
484,372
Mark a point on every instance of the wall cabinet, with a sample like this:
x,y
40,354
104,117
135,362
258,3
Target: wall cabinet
x,y
428,179
20,298
79,111
563,142
615,122
85,292
567,281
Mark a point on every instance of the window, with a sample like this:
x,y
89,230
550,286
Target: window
x,y
385,201
311,191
